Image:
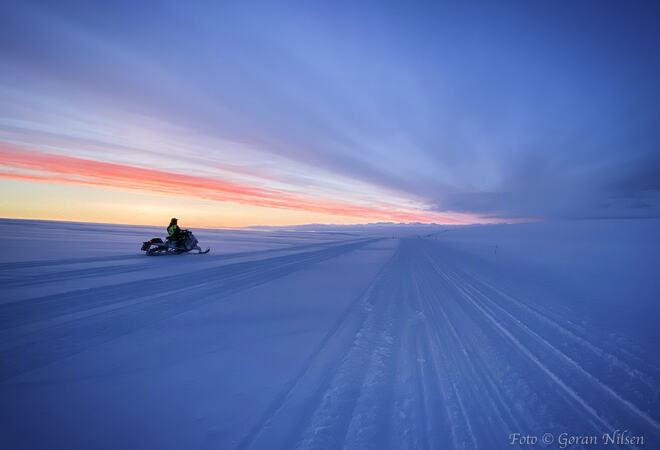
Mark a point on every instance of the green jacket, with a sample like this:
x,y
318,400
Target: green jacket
x,y
173,230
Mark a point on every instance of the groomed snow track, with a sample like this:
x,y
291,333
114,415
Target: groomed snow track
x,y
408,347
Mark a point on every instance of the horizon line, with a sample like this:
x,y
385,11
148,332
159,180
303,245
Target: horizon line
x,y
227,227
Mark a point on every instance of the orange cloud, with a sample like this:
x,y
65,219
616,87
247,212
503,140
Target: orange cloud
x,y
70,170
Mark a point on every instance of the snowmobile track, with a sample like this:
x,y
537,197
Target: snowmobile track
x,y
430,352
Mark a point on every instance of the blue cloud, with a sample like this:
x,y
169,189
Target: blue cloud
x,y
514,109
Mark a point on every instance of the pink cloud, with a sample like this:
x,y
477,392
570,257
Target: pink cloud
x,y
70,170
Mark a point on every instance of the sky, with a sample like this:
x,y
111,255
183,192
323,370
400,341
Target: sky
x,y
279,113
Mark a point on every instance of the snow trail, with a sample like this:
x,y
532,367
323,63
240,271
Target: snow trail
x,y
357,342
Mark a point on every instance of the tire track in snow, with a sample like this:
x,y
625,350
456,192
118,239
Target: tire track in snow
x,y
606,426
462,401
560,321
136,307
618,400
568,360
14,274
259,431
579,341
141,257
65,261
330,421
478,362
371,413
410,417
15,313
448,354
420,360
482,389
479,366
420,415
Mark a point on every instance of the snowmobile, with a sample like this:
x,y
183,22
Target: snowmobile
x,y
187,243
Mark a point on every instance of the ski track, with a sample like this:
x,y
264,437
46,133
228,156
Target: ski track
x,y
430,355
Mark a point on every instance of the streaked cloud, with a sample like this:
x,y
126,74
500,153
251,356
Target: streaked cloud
x,y
29,165
435,112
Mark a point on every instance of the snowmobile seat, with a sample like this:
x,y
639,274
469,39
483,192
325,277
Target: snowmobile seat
x,y
145,245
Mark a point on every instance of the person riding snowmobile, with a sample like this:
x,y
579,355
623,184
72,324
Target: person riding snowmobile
x,y
175,233
178,241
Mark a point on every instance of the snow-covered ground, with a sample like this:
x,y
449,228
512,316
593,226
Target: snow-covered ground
x,y
348,337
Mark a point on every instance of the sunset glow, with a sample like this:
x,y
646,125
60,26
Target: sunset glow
x,y
306,114
24,165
